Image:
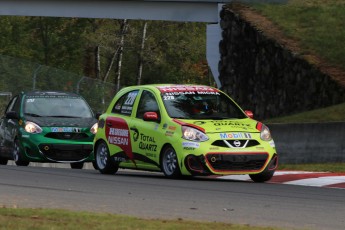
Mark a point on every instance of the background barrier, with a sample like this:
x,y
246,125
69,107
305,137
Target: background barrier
x,y
309,142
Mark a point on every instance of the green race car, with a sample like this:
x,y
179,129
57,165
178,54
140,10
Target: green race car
x,y
47,126
182,130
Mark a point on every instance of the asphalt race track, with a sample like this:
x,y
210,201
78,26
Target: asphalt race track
x,y
151,195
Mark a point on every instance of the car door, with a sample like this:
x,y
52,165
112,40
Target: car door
x,y
146,144
9,127
117,128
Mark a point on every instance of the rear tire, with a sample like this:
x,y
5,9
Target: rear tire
x,y
104,163
169,163
17,155
77,165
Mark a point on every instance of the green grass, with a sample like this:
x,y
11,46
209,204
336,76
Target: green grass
x,y
318,25
334,113
41,219
324,167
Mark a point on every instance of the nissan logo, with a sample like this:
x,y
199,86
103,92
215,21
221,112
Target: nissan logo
x,y
77,130
237,143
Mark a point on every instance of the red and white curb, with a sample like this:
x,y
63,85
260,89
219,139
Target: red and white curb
x,y
316,179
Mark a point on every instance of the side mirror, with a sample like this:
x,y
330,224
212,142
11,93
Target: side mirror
x,y
249,114
12,115
98,114
151,116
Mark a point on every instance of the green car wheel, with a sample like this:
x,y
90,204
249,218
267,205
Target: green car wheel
x,y
3,161
169,163
17,155
104,162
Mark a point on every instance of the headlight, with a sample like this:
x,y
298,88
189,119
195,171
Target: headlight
x,y
265,133
31,127
193,134
94,128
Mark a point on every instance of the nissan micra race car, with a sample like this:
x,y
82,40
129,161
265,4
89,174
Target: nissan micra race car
x,y
182,130
47,126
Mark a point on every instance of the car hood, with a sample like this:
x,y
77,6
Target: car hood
x,y
62,121
219,126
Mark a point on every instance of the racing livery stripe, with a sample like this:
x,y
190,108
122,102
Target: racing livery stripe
x,y
188,124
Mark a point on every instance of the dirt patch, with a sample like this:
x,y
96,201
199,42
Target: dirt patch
x,y
271,30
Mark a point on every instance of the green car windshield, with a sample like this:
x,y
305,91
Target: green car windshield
x,y
201,106
56,106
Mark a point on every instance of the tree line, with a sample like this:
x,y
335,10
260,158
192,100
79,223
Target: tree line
x,y
122,52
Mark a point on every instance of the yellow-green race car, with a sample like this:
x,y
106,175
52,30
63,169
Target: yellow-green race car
x,y
182,130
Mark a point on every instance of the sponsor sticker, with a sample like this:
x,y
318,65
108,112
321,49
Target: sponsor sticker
x,y
64,129
235,135
169,133
118,136
185,88
190,145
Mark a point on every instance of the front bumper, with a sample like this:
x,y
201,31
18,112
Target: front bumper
x,y
40,148
223,163
66,152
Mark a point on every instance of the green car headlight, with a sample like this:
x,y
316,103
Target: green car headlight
x,y
32,127
193,134
94,128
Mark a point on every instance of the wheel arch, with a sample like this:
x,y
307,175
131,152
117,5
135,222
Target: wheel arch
x,y
95,145
161,152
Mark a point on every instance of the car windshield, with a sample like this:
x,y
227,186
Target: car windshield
x,y
201,105
56,106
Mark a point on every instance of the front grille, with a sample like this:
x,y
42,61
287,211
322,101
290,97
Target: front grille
x,y
231,143
236,162
62,152
67,135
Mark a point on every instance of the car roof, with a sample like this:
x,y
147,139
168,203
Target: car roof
x,y
50,93
168,86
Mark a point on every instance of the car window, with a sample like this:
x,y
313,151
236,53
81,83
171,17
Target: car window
x,y
11,106
147,103
56,106
124,104
201,105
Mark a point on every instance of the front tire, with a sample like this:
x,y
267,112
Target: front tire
x,y
104,163
94,164
169,163
3,161
17,155
264,176
77,165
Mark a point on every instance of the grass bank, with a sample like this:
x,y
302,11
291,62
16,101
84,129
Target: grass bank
x,y
333,113
317,25
322,167
44,219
